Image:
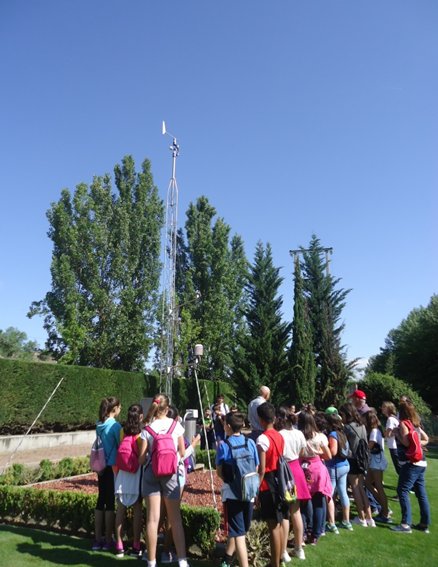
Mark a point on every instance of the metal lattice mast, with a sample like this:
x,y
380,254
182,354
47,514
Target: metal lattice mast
x,y
169,306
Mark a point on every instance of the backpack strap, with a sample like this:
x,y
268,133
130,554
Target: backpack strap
x,y
236,446
151,431
172,427
271,438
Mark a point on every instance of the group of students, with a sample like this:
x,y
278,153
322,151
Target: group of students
x,y
146,458
324,451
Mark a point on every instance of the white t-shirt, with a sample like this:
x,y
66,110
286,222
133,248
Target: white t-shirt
x,y
314,445
391,423
294,442
377,437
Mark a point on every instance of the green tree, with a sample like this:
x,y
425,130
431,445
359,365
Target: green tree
x,y
14,344
302,374
325,304
261,358
211,272
105,269
411,352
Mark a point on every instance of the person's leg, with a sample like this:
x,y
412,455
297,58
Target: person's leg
x,y
353,479
137,523
297,525
285,525
380,492
120,514
307,515
366,508
421,494
241,551
153,506
174,515
276,541
341,486
319,513
405,484
394,458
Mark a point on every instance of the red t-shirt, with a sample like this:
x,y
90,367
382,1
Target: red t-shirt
x,y
275,450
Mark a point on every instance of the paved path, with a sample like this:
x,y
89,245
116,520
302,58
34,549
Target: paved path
x,y
53,453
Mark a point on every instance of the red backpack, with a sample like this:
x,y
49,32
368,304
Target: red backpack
x,y
164,457
127,454
414,451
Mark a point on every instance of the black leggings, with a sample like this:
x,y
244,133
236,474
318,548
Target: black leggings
x,y
106,498
394,457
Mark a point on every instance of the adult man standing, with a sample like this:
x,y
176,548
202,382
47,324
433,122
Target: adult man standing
x,y
253,418
359,399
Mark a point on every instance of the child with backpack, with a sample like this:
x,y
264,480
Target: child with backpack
x,y
410,441
237,463
270,446
127,482
358,440
377,465
108,431
162,447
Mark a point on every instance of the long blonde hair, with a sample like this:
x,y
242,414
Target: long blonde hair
x,y
159,406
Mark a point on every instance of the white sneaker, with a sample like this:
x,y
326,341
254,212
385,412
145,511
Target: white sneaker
x,y
371,523
359,522
299,554
286,557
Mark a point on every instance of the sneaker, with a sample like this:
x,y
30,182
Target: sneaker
x,y
97,546
383,519
359,522
119,551
402,529
422,528
346,525
135,552
371,523
286,557
298,554
108,546
169,557
313,540
332,528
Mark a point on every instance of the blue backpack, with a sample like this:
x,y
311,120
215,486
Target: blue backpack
x,y
244,480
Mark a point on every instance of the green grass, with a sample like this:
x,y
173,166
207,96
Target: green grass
x,y
365,547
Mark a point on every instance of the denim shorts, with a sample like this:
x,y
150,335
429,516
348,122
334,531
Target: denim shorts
x,y
238,516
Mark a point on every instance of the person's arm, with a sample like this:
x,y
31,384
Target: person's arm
x,y
262,466
181,446
326,453
424,439
403,434
333,445
142,451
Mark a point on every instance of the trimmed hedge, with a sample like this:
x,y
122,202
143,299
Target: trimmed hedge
x,y
20,475
74,512
26,386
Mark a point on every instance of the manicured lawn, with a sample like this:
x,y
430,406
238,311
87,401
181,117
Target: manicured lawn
x,y
365,547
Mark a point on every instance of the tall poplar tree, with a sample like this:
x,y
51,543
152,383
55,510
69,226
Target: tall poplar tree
x,y
325,304
301,380
261,358
105,268
210,278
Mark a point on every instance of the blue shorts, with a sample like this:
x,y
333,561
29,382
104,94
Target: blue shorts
x,y
238,516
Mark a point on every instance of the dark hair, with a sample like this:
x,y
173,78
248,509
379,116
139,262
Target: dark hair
x,y
172,412
321,421
334,423
349,414
306,423
407,410
266,412
372,421
285,419
133,423
106,407
235,420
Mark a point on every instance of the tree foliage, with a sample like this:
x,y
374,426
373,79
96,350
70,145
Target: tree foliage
x,y
262,356
302,375
210,278
325,304
105,270
14,344
411,352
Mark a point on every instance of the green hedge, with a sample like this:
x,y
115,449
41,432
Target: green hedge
x,y
74,512
26,386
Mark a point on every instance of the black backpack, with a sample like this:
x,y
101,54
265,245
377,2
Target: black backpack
x,y
284,479
361,452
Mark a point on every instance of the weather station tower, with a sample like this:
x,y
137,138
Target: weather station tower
x,y
169,319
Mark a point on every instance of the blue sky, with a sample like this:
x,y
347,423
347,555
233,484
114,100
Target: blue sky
x,y
293,117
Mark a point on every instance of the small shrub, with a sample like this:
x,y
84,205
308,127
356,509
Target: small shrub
x,y
257,541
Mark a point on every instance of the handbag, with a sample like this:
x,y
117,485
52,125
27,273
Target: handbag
x,y
97,456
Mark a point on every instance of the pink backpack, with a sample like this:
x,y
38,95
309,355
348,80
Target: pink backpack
x,y
127,454
164,458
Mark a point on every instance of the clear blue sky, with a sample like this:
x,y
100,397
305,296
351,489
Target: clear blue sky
x,y
294,117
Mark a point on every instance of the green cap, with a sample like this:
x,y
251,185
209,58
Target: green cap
x,y
331,410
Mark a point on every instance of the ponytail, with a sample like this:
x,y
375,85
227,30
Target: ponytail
x,y
106,407
160,405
